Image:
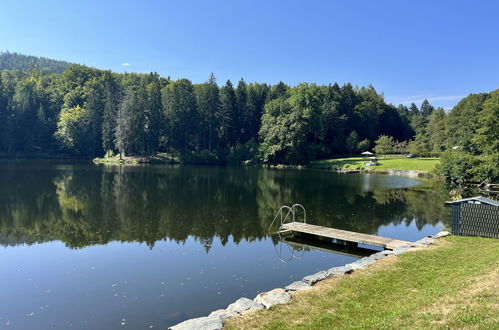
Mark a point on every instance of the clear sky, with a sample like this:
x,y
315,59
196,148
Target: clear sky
x,y
409,50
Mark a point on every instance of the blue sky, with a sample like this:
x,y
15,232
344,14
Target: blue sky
x,y
409,50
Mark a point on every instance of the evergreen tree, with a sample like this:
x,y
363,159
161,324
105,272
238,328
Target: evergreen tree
x,y
154,113
111,100
426,108
180,109
208,104
228,115
123,123
241,110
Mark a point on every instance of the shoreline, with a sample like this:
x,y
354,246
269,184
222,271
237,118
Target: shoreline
x,y
281,296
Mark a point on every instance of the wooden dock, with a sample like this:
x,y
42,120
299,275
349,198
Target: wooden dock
x,y
312,244
344,235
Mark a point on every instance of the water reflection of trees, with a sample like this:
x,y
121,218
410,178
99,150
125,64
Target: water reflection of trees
x,y
83,205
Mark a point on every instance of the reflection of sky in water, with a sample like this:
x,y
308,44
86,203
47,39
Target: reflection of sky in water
x,y
172,208
99,286
372,181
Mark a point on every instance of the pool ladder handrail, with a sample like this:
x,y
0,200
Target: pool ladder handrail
x,y
291,210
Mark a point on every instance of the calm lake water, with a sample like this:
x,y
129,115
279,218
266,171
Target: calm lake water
x,y
86,246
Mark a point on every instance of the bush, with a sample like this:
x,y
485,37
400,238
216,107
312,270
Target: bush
x,y
246,154
202,157
458,167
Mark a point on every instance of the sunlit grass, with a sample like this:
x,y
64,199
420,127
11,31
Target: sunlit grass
x,y
451,286
354,163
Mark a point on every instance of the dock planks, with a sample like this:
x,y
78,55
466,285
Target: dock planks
x,y
344,235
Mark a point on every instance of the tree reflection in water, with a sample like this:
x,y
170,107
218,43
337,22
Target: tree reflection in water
x,y
83,205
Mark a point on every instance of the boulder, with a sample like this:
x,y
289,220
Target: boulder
x,y
297,286
223,313
314,278
442,234
401,249
200,323
426,241
244,304
273,297
335,271
361,263
378,255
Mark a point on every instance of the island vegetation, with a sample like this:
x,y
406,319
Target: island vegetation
x,y
50,107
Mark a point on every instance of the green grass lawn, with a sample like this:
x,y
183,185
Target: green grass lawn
x,y
451,285
419,164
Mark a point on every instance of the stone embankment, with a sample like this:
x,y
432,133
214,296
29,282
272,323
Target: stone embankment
x,y
279,296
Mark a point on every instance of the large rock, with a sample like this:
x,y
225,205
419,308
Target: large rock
x,y
200,323
426,241
401,249
442,234
244,304
314,278
379,255
361,263
297,286
335,271
223,313
272,298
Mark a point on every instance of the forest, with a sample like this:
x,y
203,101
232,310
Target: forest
x,y
58,108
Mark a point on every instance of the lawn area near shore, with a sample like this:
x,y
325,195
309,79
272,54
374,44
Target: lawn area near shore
x,y
452,284
354,163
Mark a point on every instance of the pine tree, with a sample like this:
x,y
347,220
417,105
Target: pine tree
x,y
241,109
228,114
154,110
111,100
426,108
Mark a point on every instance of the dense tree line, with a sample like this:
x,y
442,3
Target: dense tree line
x,y
16,61
88,112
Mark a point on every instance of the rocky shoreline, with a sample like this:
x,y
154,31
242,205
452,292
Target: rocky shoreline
x,y
215,320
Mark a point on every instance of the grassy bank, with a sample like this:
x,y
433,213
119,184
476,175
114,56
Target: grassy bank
x,y
358,163
450,285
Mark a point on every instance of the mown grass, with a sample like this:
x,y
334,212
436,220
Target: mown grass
x,y
452,285
354,163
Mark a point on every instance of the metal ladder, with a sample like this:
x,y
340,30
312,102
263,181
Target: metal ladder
x,y
290,210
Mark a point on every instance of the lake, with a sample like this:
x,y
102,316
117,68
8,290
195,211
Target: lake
x,y
139,247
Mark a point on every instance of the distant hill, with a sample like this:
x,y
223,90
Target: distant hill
x,y
27,63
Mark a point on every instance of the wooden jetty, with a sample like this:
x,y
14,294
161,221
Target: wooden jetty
x,y
343,235
310,244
